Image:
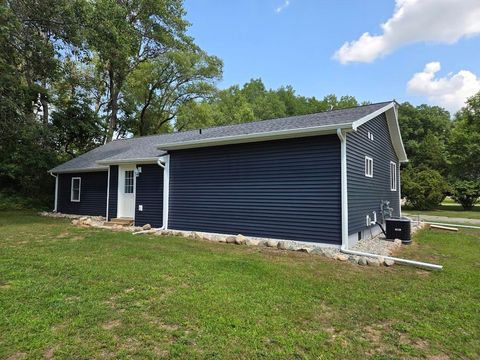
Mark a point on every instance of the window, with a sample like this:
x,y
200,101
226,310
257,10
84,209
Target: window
x,y
368,166
75,189
129,181
370,135
393,176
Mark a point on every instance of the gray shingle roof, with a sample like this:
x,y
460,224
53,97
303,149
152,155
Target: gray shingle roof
x,y
147,147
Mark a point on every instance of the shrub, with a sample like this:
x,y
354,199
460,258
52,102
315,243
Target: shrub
x,y
466,193
424,189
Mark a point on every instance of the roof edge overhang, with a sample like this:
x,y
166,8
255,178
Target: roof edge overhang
x,y
391,113
78,170
257,137
149,160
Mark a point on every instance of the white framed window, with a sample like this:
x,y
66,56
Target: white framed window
x,y
393,176
370,135
129,174
75,189
368,166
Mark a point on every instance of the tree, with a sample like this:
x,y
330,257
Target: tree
x,y
464,147
466,193
157,88
425,189
425,132
125,34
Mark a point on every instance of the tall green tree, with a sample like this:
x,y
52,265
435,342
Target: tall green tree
x,y
125,34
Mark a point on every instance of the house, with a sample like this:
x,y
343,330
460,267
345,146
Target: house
x,y
313,178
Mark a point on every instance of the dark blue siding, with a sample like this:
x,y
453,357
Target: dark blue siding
x,y
149,194
365,194
113,196
93,193
286,189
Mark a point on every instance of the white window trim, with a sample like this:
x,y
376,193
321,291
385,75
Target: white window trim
x,y
79,189
366,167
394,177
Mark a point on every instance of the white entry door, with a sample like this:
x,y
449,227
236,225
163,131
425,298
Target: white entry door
x,y
126,191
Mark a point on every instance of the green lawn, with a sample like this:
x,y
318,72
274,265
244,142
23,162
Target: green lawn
x,y
81,293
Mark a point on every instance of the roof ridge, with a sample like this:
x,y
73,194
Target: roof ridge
x,y
256,121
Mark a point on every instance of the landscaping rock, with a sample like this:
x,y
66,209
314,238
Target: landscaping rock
x,y
230,239
283,245
342,257
240,239
353,259
221,239
252,242
146,227
330,253
389,262
397,242
381,260
272,243
373,262
144,232
75,222
362,261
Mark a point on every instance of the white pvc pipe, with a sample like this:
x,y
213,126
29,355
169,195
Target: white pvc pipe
x,y
395,259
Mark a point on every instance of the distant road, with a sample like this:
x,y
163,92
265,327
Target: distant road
x,y
444,219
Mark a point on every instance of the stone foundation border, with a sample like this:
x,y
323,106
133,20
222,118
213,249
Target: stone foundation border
x,y
376,245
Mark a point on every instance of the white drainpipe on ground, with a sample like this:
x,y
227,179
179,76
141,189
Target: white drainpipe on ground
x,y
56,191
344,248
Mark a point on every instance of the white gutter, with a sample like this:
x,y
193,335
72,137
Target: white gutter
x,y
254,137
150,160
56,191
164,162
344,186
455,225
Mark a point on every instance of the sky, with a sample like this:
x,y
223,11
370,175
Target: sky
x,y
421,51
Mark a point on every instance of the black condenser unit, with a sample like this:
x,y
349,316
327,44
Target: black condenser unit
x,y
399,228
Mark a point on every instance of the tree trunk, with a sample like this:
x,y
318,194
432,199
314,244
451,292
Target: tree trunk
x,y
44,102
112,120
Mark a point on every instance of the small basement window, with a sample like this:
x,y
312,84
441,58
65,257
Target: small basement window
x,y
129,181
75,189
368,166
393,176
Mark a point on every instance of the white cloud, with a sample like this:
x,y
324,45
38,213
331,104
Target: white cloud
x,y
282,7
450,91
441,21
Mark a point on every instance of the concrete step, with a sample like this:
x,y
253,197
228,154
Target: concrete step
x,y
120,221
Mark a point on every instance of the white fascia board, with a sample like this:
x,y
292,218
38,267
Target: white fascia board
x,y
391,114
372,115
151,160
395,134
256,137
79,170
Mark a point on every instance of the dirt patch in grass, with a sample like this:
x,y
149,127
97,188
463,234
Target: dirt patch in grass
x,y
49,353
110,325
16,356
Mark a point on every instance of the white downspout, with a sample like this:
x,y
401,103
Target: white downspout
x,y
166,188
344,248
56,191
108,193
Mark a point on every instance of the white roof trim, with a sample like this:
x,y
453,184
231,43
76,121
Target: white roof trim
x,y
128,161
78,170
391,114
372,115
263,136
395,134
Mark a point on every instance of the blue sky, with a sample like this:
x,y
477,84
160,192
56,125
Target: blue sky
x,y
293,43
